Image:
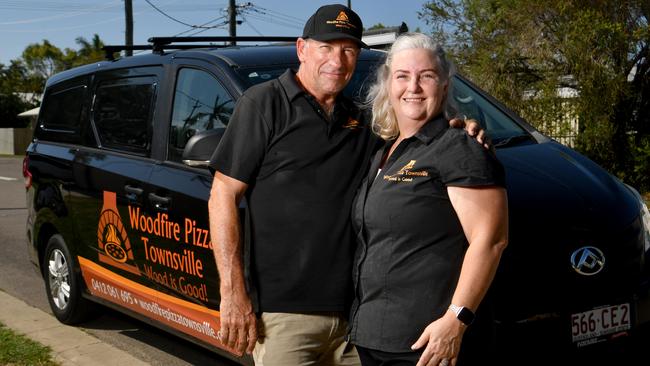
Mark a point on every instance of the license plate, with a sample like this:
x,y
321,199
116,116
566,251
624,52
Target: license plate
x,y
599,322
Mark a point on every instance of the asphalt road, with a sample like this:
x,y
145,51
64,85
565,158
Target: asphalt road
x,y
19,278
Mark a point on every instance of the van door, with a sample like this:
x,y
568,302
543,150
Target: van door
x,y
179,193
57,135
111,172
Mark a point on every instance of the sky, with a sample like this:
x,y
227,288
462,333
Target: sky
x,y
23,22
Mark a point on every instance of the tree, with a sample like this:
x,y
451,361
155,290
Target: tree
x,y
15,78
22,82
43,60
89,51
531,55
13,81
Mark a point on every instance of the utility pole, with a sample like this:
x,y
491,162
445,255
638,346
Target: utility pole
x,y
232,20
128,34
350,4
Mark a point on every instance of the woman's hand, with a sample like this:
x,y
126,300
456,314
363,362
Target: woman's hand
x,y
442,339
473,129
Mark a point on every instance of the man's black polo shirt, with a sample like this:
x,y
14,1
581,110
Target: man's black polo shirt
x,y
302,171
411,243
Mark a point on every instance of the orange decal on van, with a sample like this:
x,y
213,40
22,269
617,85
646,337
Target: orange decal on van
x,y
112,241
187,317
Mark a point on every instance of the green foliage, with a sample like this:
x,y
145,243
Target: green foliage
x,y
15,94
15,78
641,167
89,51
377,26
561,62
22,82
43,60
18,350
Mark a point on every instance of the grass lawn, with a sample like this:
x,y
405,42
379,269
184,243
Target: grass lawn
x,y
16,350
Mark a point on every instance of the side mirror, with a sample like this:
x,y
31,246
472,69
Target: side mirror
x,y
201,146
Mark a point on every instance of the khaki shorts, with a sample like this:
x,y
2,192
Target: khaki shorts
x,y
304,339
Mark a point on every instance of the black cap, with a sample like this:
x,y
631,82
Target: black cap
x,y
334,22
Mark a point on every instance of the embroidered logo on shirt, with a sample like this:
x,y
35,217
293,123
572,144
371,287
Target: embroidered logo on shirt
x,y
406,174
352,124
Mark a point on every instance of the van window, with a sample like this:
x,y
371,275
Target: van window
x,y
61,114
122,113
356,89
200,103
471,104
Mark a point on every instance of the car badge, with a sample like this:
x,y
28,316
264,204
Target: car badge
x,y
588,261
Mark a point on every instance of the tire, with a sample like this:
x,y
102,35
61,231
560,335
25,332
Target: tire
x,y
62,285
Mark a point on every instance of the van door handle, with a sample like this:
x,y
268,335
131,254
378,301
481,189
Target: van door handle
x,y
161,203
133,190
132,193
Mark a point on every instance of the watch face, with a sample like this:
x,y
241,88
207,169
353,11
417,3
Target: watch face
x,y
466,316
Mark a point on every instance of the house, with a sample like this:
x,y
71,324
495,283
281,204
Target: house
x,y
14,141
383,38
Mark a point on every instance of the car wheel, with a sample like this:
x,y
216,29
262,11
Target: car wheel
x,y
62,285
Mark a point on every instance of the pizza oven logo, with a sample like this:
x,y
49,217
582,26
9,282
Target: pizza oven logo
x,y
342,21
112,240
113,246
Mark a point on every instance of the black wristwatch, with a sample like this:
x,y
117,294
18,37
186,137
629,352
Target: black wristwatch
x,y
463,314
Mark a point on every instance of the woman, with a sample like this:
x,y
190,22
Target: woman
x,y
431,218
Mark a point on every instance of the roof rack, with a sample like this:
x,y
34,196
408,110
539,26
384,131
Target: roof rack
x,y
159,44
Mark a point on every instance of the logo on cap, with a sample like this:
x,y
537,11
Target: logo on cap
x,y
342,20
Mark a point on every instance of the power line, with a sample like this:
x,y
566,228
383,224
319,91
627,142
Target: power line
x,y
64,6
41,30
248,9
204,24
275,21
174,19
271,16
203,30
276,14
251,25
65,15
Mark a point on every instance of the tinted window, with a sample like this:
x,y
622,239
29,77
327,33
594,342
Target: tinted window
x,y
468,102
473,105
356,88
256,75
62,109
122,113
200,104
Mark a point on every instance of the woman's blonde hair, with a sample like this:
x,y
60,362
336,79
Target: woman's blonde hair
x,y
384,121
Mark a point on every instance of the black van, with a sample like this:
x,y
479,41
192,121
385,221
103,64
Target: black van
x,y
118,187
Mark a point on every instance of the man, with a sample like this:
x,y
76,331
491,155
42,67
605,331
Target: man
x,y
297,149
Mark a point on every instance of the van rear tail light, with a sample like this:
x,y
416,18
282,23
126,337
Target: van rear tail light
x,y
26,173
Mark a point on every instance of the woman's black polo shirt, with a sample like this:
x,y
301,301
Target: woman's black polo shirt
x,y
302,171
411,243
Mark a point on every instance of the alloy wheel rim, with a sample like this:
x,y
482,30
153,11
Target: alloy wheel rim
x,y
58,276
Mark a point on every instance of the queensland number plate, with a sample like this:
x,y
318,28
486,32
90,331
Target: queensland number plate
x,y
599,322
